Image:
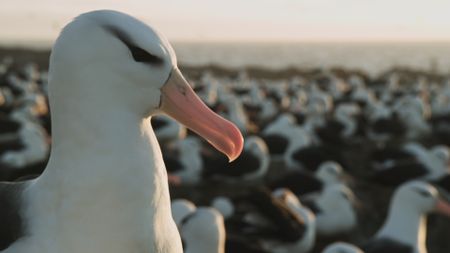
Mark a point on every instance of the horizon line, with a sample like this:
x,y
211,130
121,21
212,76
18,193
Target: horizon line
x,y
47,43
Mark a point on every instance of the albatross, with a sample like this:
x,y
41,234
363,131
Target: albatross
x,y
105,186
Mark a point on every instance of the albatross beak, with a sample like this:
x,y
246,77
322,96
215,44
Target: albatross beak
x,y
443,207
179,101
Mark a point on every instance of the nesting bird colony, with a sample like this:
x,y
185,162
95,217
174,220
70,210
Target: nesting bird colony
x,y
333,161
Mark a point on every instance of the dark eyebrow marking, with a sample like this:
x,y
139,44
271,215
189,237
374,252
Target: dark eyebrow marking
x,y
139,54
187,218
345,195
422,192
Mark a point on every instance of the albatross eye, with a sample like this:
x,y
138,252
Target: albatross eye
x,y
331,171
423,193
140,55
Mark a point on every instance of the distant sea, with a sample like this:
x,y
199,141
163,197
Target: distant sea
x,y
371,57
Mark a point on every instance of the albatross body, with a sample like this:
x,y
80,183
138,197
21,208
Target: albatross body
x,y
105,187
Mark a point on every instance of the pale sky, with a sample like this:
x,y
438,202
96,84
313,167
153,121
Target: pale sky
x,y
244,20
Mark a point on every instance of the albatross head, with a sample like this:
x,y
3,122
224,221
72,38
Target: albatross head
x,y
421,197
110,51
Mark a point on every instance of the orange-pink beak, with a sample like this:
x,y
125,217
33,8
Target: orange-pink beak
x,y
180,102
443,207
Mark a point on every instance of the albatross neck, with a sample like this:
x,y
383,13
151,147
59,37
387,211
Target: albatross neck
x,y
100,135
407,225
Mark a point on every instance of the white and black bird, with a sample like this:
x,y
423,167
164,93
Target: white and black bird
x,y
252,164
383,123
235,242
311,156
224,205
259,216
441,126
203,231
283,135
306,182
413,161
33,139
105,186
335,210
343,125
306,242
167,130
180,209
342,247
186,163
405,228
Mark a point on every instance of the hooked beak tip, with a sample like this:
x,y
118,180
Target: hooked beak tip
x,y
181,103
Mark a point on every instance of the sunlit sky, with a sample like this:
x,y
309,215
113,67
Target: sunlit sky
x,y
244,20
